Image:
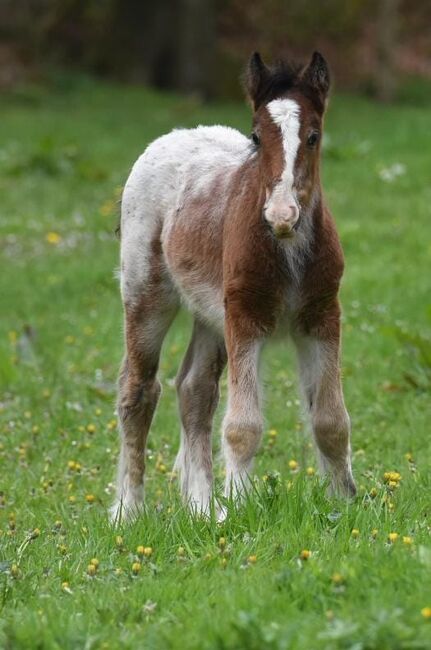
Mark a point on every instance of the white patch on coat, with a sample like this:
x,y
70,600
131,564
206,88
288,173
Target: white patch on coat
x,y
174,167
285,114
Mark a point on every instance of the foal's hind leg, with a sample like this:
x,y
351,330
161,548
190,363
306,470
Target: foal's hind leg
x,y
138,392
198,394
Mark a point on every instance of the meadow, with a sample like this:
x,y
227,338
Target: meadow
x,y
290,569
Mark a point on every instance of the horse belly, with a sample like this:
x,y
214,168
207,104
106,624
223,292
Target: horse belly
x,y
192,247
203,301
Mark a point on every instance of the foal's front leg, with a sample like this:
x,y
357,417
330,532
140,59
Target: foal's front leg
x,y
243,424
319,365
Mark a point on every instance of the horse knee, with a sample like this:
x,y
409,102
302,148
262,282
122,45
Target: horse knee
x,y
137,395
332,431
241,440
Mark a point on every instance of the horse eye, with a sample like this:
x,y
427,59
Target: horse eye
x,y
255,138
313,139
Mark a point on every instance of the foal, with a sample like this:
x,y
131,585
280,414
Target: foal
x,y
237,229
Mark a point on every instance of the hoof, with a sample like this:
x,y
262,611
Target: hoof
x,y
221,514
122,512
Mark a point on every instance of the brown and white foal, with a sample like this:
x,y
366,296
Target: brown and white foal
x,y
237,229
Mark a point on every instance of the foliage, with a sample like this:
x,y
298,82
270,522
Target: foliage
x,y
291,568
201,46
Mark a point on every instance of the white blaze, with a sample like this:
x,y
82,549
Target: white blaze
x,y
285,113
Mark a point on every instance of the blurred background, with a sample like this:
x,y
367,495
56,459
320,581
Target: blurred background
x,y
200,46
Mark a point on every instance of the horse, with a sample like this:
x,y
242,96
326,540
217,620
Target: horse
x,y
235,228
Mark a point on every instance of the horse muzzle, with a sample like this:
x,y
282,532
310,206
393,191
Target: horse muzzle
x,y
283,223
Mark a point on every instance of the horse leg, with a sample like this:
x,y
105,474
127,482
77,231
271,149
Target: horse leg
x,y
243,423
319,365
198,394
146,324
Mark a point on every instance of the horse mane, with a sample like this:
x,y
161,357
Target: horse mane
x,y
284,75
267,82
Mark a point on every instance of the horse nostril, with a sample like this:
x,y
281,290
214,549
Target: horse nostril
x,y
292,213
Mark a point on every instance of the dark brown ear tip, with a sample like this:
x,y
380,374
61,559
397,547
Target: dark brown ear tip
x,y
318,58
256,60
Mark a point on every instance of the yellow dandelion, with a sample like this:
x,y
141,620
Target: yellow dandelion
x,y
355,532
35,533
310,471
407,540
107,208
337,578
305,554
374,533
91,570
373,493
118,571
426,612
148,551
53,238
71,464
90,498
392,476
392,537
293,465
72,498
222,542
136,567
140,550
223,563
62,549
65,585
409,457
181,551
273,433
119,540
252,559
35,429
95,562
91,428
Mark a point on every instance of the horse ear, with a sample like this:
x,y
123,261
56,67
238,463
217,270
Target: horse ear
x,y
316,75
256,78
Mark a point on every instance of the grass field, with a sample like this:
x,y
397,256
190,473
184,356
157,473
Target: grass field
x,y
366,581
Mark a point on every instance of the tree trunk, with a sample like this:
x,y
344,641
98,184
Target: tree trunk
x,y
387,32
196,47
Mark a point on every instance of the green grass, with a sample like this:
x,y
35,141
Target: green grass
x,y
63,157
